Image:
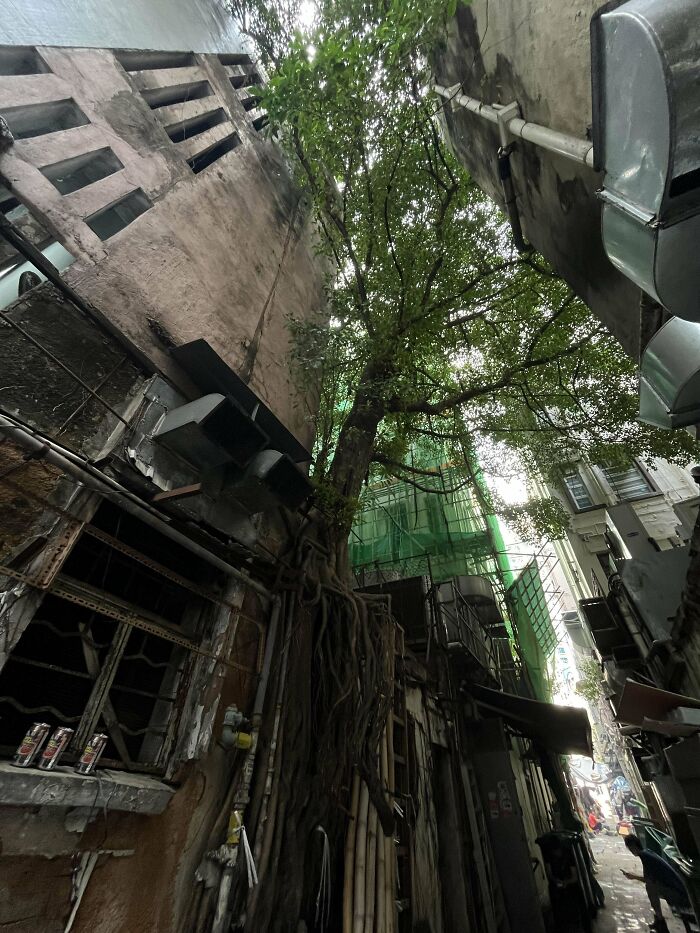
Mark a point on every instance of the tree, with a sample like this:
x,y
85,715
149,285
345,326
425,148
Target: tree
x,y
438,336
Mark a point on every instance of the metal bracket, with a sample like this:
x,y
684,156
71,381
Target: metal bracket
x,y
505,114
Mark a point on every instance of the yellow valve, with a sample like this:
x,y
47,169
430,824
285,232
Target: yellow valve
x,y
235,824
242,740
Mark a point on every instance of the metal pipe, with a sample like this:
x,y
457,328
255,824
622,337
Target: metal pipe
x,y
17,239
570,147
105,486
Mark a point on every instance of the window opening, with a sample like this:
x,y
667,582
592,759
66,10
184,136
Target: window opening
x,y
31,120
144,60
206,158
261,122
22,60
176,94
81,171
110,220
577,488
77,665
235,58
250,103
17,275
245,80
186,129
627,482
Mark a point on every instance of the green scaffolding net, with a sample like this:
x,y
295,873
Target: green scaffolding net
x,y
402,531
411,532
536,636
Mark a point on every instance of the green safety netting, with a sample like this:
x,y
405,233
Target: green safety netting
x,y
535,632
406,530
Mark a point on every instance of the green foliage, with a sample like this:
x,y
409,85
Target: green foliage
x,y
590,685
435,323
538,519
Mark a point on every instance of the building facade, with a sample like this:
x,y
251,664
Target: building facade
x,y
153,246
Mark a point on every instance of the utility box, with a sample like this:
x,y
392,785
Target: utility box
x,y
646,136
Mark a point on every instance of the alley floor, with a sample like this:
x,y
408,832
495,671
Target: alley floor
x,y
626,904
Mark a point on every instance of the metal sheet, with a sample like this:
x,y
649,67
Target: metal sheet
x,y
562,729
639,702
165,25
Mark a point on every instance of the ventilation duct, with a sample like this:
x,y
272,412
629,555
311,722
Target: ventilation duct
x,y
210,432
669,383
646,126
272,479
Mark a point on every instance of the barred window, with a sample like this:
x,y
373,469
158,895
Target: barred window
x,y
576,488
627,482
112,645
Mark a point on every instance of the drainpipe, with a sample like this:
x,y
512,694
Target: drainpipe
x,y
227,854
570,147
94,479
510,124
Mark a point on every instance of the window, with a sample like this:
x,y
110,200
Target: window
x,y
80,171
115,217
54,116
577,489
627,482
112,644
206,158
21,60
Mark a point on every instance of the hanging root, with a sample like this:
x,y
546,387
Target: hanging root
x,y
332,723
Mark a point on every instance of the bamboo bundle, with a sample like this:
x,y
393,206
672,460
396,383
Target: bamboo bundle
x,y
371,879
361,862
349,877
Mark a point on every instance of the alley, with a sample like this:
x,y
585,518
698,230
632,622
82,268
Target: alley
x,y
627,907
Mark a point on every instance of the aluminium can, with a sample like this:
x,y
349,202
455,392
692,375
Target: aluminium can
x,y
30,744
54,748
91,753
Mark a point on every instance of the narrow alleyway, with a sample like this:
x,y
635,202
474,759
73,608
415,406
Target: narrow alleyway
x,y
627,907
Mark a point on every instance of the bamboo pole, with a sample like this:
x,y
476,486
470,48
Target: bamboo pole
x,y
358,924
349,876
371,879
382,886
390,852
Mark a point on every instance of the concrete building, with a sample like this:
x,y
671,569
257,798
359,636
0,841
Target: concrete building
x,y
150,433
559,110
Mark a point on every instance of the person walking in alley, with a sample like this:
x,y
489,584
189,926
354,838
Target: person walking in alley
x,y
662,882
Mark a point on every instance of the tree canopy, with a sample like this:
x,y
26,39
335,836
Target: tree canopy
x,y
440,335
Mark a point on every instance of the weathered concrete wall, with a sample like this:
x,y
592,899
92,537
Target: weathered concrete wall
x,y
226,254
538,53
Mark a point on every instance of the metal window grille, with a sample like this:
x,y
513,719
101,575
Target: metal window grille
x,y
627,482
112,644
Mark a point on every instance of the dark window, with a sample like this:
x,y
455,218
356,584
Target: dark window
x,y
235,58
21,60
206,158
73,174
176,94
137,60
186,129
41,119
111,646
112,219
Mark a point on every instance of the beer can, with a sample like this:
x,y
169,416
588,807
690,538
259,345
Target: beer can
x,y
30,745
54,748
91,753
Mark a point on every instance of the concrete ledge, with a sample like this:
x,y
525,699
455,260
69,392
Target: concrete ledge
x,y
114,790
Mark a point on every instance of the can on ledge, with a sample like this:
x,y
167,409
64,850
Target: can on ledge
x,y
54,748
30,745
91,753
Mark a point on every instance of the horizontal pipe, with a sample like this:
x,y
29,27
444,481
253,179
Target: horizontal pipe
x,y
98,482
570,147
